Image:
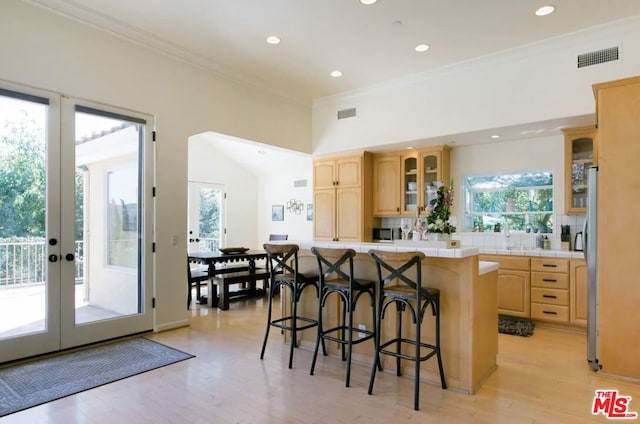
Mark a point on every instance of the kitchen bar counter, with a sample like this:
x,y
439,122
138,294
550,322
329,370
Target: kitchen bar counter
x,y
468,290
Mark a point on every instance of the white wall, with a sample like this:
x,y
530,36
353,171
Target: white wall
x,y
276,189
45,50
531,84
208,165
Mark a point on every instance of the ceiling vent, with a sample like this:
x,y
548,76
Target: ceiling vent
x,y
299,183
598,56
347,113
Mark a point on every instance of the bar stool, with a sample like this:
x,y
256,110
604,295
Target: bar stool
x,y
408,294
348,289
282,274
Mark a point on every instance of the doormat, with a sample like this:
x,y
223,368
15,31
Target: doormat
x,y
515,326
40,381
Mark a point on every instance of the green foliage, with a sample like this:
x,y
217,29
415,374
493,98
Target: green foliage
x,y
22,179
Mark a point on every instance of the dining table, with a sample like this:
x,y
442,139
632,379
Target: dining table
x,y
232,266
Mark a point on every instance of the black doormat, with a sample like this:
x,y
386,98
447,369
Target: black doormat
x,y
515,326
33,383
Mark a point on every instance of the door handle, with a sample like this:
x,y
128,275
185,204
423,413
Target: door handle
x,y
69,257
53,258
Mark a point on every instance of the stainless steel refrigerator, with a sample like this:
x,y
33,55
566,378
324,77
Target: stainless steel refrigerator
x,y
591,256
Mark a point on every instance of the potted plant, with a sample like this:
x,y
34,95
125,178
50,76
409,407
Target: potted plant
x,y
438,212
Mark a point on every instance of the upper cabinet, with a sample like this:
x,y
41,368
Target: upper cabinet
x,y
580,154
342,198
403,182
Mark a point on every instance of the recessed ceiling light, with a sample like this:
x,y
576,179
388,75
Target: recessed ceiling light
x,y
409,147
495,136
368,2
422,48
545,10
336,74
273,39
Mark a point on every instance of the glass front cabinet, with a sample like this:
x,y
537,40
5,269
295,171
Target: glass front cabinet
x,y
580,154
421,169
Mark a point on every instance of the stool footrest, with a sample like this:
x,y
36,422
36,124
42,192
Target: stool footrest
x,y
280,323
434,349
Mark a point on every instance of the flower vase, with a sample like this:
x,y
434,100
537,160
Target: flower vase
x,y
439,237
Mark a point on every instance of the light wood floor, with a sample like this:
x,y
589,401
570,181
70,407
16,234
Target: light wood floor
x,y
541,379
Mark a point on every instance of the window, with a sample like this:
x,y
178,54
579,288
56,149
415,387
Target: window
x,y
523,200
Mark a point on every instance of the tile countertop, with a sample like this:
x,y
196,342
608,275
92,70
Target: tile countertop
x,y
552,253
432,250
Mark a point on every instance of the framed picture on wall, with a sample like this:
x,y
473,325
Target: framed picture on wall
x,y
277,213
309,212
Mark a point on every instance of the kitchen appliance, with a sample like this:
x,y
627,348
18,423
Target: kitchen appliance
x,y
386,235
591,256
578,242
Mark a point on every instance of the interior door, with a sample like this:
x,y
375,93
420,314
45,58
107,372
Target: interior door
x,y
206,207
76,215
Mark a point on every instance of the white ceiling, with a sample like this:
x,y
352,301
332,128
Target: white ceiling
x,y
369,44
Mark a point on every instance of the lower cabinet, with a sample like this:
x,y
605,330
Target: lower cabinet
x,y
550,289
578,290
545,289
514,284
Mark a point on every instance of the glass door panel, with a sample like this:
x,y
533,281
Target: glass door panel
x,y
206,224
410,184
29,223
106,272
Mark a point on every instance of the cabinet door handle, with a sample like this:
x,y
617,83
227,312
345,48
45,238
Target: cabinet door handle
x,y
550,265
550,296
549,312
397,209
549,280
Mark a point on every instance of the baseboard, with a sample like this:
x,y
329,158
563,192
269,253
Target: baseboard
x,y
170,325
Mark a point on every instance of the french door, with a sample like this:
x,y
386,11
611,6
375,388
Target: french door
x,y
206,217
76,213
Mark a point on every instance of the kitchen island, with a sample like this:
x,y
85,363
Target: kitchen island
x,y
468,296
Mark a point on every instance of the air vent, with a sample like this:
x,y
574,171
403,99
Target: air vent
x,y
599,56
299,183
347,113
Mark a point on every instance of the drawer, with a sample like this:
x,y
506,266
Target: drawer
x,y
550,280
554,313
550,265
550,296
518,263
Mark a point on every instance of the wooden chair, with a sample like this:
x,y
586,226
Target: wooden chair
x,y
404,268
194,279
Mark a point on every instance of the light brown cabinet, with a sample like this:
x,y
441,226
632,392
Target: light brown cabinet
x,y
580,153
386,185
578,290
403,181
342,198
514,284
550,289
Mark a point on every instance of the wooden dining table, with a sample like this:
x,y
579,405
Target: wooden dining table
x,y
238,267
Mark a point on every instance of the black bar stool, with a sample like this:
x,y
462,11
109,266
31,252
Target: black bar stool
x,y
407,294
282,274
334,280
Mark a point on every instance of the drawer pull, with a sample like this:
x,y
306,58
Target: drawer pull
x,y
550,296
550,265
549,312
549,280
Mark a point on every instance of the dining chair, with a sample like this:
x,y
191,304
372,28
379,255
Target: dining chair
x,y
195,277
400,284
335,281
